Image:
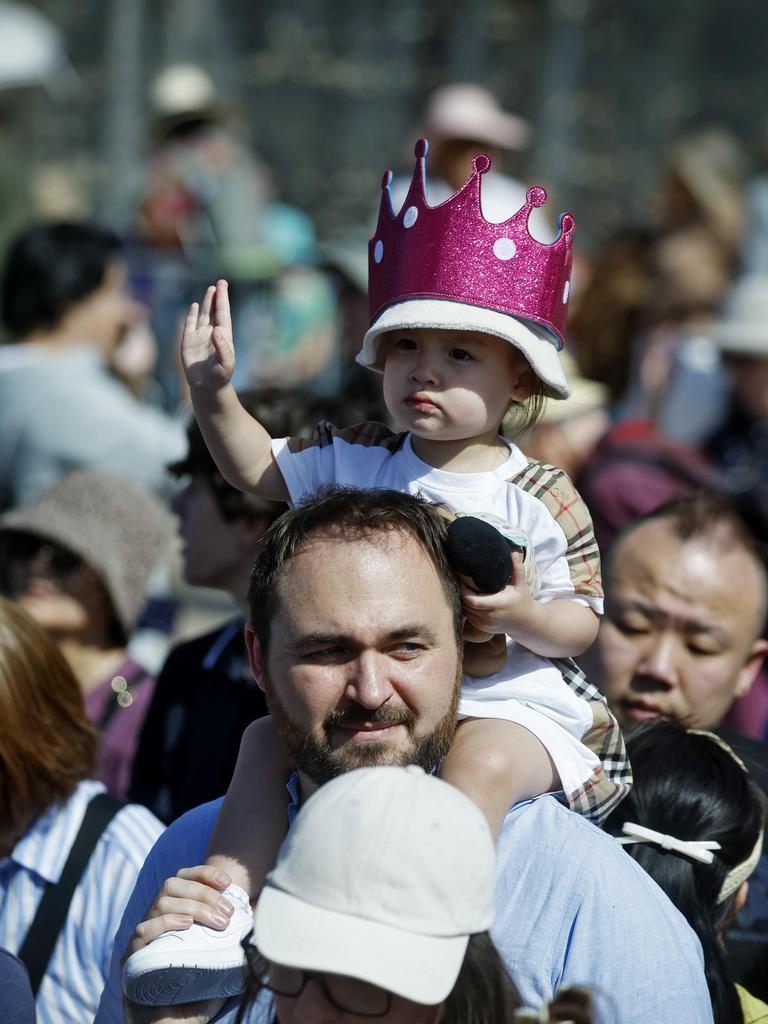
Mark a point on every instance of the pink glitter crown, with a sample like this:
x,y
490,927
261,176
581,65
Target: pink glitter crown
x,y
452,252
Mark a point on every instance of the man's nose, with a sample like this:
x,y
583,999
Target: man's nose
x,y
659,660
369,684
312,1006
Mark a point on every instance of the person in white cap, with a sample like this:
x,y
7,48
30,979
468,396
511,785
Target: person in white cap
x,y
385,881
354,636
461,120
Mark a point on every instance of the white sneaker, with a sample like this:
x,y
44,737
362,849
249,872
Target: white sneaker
x,y
193,964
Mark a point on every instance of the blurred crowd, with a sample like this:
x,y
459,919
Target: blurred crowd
x,y
125,556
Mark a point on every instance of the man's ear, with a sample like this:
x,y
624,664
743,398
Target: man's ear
x,y
750,668
255,655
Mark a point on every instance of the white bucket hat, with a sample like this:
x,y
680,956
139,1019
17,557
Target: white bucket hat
x,y
537,344
743,329
384,876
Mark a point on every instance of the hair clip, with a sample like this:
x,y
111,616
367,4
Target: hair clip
x,y
696,849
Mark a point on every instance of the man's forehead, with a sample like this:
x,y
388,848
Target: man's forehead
x,y
652,542
710,569
363,585
329,557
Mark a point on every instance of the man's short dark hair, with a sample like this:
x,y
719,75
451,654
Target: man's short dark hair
x,y
349,513
49,268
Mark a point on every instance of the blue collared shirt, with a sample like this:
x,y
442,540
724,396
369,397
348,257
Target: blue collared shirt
x,y
69,992
571,908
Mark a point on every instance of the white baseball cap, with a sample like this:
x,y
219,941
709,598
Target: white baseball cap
x,y
384,876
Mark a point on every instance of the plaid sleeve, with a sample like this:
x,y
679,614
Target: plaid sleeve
x,y
612,779
554,490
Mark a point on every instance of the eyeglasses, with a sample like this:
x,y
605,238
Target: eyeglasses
x,y
350,995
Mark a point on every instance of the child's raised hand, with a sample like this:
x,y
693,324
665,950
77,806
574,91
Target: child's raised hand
x,y
207,347
508,611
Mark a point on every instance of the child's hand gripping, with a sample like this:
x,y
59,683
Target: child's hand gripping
x,y
509,611
207,347
495,593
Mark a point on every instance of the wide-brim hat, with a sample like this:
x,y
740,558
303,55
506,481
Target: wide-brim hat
x,y
538,344
743,329
112,524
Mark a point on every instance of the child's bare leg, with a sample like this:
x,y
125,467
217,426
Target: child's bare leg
x,y
252,821
496,763
186,966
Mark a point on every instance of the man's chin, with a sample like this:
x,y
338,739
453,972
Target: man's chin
x,y
355,754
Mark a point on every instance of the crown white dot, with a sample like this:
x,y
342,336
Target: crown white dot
x,y
567,290
504,248
410,217
378,251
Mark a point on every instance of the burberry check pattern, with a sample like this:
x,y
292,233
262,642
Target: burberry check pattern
x,y
611,781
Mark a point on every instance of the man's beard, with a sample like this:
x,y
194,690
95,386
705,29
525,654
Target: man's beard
x,y
320,762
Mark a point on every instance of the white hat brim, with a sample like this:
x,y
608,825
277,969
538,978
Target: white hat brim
x,y
536,343
290,931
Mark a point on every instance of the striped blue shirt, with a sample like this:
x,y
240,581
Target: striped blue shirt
x,y
70,990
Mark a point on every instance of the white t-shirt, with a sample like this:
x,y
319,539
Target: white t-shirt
x,y
529,496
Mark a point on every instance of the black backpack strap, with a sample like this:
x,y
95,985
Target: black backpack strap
x,y
51,913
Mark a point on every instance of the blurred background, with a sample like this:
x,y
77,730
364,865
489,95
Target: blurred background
x,y
331,93
148,148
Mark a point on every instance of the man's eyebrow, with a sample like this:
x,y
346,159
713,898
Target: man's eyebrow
x,y
420,631
690,626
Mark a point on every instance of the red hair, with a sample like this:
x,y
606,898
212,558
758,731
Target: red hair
x,y
47,744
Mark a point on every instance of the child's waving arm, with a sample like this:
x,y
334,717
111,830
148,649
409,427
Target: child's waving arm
x,y
240,446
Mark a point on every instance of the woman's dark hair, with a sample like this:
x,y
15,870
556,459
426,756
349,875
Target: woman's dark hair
x,y
50,267
689,787
484,993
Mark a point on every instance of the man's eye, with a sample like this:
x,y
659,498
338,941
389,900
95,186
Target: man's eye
x,y
460,354
324,653
406,650
631,628
701,651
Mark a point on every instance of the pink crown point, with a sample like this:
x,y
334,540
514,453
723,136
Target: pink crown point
x,y
481,163
536,196
451,252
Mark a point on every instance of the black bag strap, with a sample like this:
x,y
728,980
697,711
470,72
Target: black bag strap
x,y
51,913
